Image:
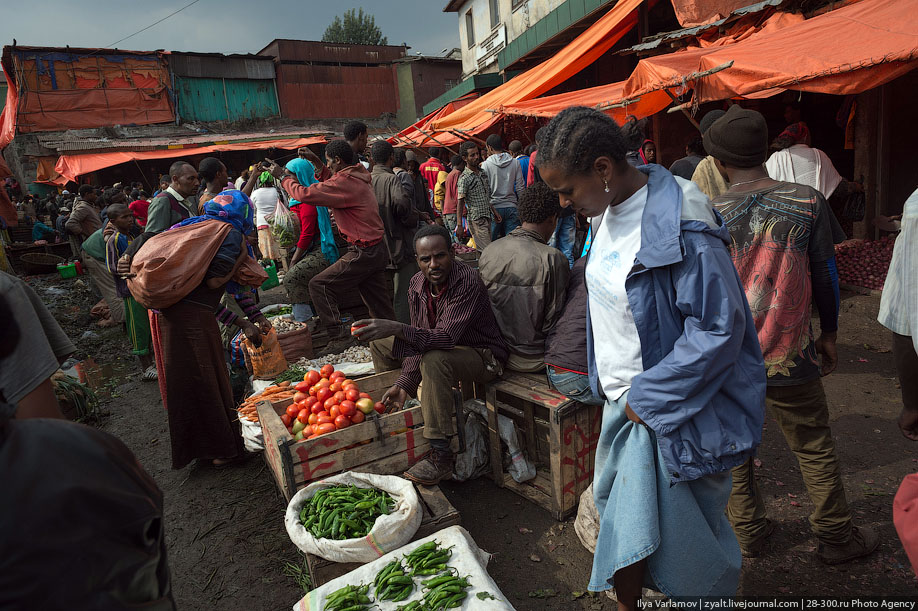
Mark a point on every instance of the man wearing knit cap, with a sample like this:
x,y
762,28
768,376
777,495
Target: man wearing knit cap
x,y
706,174
784,253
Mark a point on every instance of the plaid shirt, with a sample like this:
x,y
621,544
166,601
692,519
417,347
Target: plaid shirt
x,y
473,186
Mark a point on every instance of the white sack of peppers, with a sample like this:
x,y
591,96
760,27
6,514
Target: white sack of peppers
x,y
389,532
466,560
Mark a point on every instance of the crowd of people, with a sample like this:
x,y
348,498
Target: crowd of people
x,y
678,299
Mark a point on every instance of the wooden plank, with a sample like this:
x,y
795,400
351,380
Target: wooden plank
x,y
496,456
274,433
347,460
309,449
530,490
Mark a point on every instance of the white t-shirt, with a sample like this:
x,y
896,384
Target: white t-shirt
x,y
615,338
265,200
239,183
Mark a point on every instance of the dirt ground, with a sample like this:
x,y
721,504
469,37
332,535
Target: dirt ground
x,y
228,546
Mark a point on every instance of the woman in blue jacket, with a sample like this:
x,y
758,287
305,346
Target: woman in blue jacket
x,y
673,349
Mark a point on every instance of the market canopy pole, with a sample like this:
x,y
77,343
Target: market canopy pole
x,y
461,133
431,136
411,143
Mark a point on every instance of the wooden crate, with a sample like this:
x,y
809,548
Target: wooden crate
x,y
438,514
558,434
385,445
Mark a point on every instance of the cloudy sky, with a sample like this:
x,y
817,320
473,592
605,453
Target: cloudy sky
x,y
224,26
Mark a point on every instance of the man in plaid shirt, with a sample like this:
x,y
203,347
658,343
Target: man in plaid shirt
x,y
474,195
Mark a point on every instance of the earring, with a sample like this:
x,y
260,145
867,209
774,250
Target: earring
x,y
606,183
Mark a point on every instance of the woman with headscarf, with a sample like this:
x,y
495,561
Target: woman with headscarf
x,y
315,248
194,380
648,151
215,179
265,198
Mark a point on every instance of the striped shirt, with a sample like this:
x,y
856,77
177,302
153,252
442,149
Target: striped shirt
x,y
463,317
474,187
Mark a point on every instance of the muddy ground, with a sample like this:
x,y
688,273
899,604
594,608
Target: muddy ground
x,y
228,546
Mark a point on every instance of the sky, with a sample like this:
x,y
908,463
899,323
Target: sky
x,y
222,26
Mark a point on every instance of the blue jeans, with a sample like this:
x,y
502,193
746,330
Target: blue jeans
x,y
572,385
564,236
509,220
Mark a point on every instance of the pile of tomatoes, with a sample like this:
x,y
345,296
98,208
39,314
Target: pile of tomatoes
x,y
326,401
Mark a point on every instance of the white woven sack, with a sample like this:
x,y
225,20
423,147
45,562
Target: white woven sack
x,y
389,532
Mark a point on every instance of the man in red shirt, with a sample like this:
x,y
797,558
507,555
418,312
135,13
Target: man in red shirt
x,y
430,169
363,266
451,198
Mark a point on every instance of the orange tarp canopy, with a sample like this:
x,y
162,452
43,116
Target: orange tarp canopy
x,y
698,12
70,167
577,55
845,51
607,98
413,136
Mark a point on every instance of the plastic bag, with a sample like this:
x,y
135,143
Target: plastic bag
x,y
474,461
252,435
267,361
467,558
283,224
520,469
389,532
586,524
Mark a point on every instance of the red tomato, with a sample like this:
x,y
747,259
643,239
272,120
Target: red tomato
x,y
326,427
342,422
329,402
347,408
323,383
300,396
313,418
307,431
323,394
380,407
310,401
292,410
346,383
351,394
317,407
334,387
365,405
358,417
312,377
327,370
324,420
313,390
303,416
334,411
364,395
286,419
337,375
340,396
302,386
313,436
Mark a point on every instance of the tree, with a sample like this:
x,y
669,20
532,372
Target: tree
x,y
355,28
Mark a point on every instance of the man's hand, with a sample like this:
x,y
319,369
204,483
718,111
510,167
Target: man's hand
x,y
631,415
394,399
124,267
825,346
251,333
376,328
312,157
497,217
908,424
263,323
276,170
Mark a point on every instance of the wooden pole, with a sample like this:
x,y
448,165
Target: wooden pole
x,y
682,107
431,136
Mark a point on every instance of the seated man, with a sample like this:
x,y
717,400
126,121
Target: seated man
x,y
452,336
527,279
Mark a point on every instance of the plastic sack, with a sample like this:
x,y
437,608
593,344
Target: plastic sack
x,y
468,560
389,532
520,469
586,524
253,437
474,461
173,263
283,224
267,361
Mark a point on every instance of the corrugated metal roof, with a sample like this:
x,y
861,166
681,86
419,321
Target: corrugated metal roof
x,y
215,65
68,143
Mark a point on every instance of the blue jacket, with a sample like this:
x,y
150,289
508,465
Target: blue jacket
x,y
702,390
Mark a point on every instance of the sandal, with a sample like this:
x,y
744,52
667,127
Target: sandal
x,y
150,374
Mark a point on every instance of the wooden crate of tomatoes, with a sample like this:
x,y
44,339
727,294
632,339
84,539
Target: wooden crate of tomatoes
x,y
332,424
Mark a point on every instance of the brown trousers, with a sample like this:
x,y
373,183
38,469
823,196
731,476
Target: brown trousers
x,y
481,231
803,415
441,371
358,269
907,368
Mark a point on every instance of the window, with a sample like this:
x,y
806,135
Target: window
x,y
470,29
495,13
517,4
449,84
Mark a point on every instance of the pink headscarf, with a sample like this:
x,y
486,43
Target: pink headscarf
x,y
798,132
641,150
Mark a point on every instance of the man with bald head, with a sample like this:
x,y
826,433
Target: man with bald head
x,y
173,205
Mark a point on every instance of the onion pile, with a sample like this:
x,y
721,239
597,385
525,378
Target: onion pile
x,y
462,248
864,263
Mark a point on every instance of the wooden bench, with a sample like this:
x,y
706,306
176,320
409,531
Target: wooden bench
x,y
559,435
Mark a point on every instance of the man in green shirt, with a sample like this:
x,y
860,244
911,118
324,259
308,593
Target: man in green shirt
x,y
173,205
93,255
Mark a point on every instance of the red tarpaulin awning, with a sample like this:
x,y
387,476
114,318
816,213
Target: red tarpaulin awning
x,y
421,134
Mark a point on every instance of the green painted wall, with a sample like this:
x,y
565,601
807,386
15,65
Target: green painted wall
x,y
203,99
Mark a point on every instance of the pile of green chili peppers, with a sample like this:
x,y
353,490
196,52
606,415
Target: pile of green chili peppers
x,y
344,512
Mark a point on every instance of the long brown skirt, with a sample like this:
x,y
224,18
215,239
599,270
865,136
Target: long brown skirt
x,y
197,391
